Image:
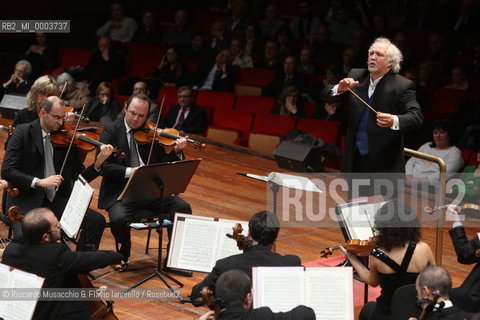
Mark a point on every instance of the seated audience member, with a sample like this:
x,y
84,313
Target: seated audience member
x,y
263,229
170,72
197,50
240,59
325,49
272,21
179,34
420,171
45,255
76,94
398,258
186,117
303,26
216,75
148,32
42,88
435,281
217,39
467,296
235,301
289,103
459,80
42,54
271,56
237,20
253,40
288,44
119,28
343,27
332,111
306,61
333,75
289,77
105,64
19,82
103,108
470,176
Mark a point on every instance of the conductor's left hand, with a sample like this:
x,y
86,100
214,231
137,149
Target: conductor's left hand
x,y
384,120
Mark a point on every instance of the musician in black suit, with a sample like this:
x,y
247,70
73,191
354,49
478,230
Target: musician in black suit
x,y
263,229
186,116
44,255
116,172
33,166
467,296
234,301
435,282
375,142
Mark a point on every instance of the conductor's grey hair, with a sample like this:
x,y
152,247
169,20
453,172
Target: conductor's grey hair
x,y
394,54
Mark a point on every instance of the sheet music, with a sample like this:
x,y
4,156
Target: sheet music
x,y
327,290
198,242
76,207
294,182
255,176
280,288
359,219
18,310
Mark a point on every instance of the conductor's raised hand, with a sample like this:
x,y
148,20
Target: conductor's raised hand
x,y
384,120
345,84
180,144
51,181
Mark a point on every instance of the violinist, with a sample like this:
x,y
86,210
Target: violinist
x,y
32,165
46,256
433,287
467,296
116,173
399,258
263,229
234,300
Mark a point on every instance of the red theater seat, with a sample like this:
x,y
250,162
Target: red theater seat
x,y
266,132
215,99
230,127
256,76
254,104
328,131
170,94
74,57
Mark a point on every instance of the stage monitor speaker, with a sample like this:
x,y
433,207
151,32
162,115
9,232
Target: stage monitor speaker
x,y
299,156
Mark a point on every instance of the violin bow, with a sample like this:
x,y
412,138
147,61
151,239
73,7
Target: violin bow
x,y
71,141
63,89
155,131
356,95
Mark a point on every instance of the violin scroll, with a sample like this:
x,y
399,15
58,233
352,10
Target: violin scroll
x,y
243,242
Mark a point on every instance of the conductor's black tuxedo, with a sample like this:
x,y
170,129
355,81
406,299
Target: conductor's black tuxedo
x,y
114,182
195,122
24,160
255,256
467,296
60,267
393,94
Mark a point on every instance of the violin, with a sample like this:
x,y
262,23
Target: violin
x,y
99,309
210,300
84,139
77,116
243,242
165,136
361,248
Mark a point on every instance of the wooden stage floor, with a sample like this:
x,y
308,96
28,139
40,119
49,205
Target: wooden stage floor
x,y
217,191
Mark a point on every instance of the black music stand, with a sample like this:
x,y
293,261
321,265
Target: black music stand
x,y
158,181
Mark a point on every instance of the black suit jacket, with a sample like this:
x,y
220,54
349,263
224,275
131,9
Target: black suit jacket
x,y
393,94
59,266
195,122
467,296
24,160
451,313
265,313
254,256
220,82
22,88
113,169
